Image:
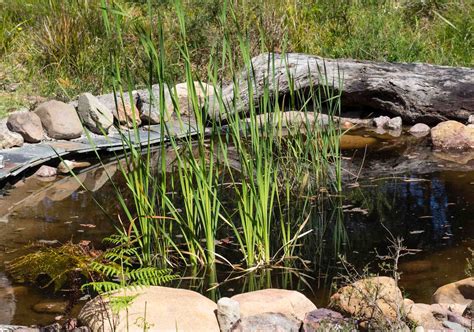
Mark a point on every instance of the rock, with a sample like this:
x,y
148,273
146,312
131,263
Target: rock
x,y
395,123
269,321
95,115
325,320
203,91
458,319
454,326
18,328
124,110
460,292
9,139
470,120
150,104
422,314
419,329
452,135
165,309
288,302
46,171
51,307
419,130
66,166
349,142
228,313
60,120
28,125
381,121
375,298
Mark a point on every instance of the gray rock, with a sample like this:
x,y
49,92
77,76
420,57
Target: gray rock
x,y
395,123
126,111
60,120
28,125
381,121
149,101
9,139
325,320
470,120
269,321
454,326
95,116
17,328
420,130
228,313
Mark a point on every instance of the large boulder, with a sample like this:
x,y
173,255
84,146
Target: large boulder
x,y
269,321
150,104
373,299
95,115
325,320
287,302
460,292
9,139
452,135
28,125
185,106
60,120
165,309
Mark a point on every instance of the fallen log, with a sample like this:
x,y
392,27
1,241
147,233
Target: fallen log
x,y
416,92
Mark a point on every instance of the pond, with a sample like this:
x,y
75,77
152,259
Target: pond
x,y
395,185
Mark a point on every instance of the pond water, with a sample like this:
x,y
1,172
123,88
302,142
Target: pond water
x,y
395,184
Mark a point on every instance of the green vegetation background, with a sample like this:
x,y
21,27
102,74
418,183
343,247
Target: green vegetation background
x,y
59,47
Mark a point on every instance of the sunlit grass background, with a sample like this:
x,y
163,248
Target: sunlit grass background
x,y
61,48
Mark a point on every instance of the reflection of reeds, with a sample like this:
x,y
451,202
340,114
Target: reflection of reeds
x,y
275,173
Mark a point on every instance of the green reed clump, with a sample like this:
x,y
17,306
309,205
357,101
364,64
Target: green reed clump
x,y
242,176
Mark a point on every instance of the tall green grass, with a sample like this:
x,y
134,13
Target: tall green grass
x,y
244,177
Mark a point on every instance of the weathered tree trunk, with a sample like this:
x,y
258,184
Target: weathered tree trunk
x,y
416,92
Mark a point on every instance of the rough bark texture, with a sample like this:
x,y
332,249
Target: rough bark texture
x,y
416,92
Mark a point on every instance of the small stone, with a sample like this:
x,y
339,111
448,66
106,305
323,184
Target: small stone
x,y
228,313
470,120
53,307
395,123
46,171
95,116
60,120
66,166
9,139
420,130
27,124
381,121
419,329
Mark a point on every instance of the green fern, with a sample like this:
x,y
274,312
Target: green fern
x,y
121,268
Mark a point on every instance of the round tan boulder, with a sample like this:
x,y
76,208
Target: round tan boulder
x,y
28,125
452,135
460,292
376,298
287,302
60,120
160,308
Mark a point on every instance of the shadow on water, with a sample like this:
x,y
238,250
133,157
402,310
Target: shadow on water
x,y
432,208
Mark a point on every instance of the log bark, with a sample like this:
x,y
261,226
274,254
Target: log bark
x,y
416,92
